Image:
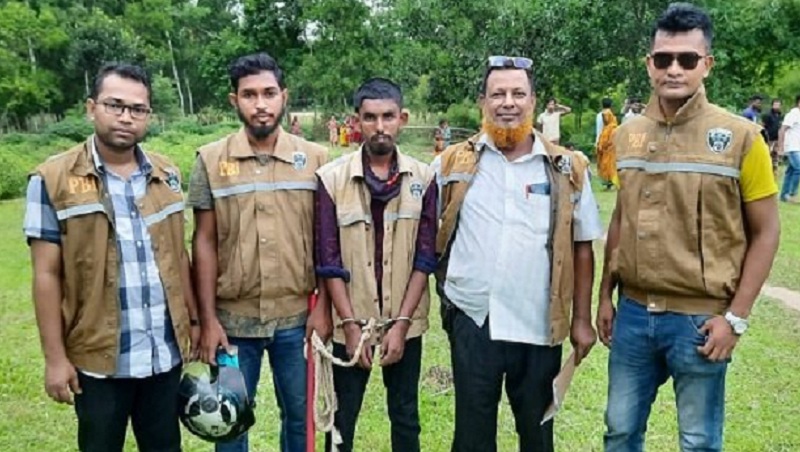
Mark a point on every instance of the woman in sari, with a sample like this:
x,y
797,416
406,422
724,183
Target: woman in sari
x,y
606,153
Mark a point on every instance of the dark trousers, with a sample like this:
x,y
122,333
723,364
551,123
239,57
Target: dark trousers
x,y
402,387
479,367
151,403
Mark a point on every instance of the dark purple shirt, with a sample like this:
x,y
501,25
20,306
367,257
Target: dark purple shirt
x,y
326,230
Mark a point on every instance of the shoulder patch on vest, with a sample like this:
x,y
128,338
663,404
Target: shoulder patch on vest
x,y
173,181
416,189
563,163
299,160
719,139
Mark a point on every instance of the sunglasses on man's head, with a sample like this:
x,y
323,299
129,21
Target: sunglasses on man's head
x,y
506,61
687,60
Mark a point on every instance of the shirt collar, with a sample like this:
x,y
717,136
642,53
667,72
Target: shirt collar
x,y
142,160
485,141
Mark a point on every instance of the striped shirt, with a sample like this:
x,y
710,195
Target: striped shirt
x,y
147,344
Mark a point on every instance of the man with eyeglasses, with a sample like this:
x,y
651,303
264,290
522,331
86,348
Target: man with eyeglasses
x,y
515,262
111,276
252,193
691,242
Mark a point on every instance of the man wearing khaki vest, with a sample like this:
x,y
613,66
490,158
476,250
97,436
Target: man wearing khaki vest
x,y
111,283
253,197
376,232
515,259
690,243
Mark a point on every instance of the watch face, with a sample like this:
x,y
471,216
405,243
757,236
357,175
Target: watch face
x,y
739,327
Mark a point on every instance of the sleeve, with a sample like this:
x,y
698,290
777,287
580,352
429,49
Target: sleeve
x,y
792,118
200,196
425,249
598,127
41,220
328,250
539,118
757,179
586,218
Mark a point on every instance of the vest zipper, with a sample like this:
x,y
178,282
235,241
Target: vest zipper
x,y
669,131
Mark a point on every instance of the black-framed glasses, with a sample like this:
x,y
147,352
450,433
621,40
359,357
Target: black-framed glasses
x,y
117,109
687,60
509,61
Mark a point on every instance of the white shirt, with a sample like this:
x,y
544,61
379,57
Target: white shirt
x,y
630,114
791,141
551,124
499,262
598,127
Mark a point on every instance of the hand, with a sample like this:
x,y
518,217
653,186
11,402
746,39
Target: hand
x,y
320,321
583,338
61,380
194,336
720,339
352,336
212,337
605,320
394,343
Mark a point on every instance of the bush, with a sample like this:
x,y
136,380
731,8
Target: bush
x,y
466,115
71,128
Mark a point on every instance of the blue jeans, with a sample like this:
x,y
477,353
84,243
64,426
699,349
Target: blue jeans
x,y
791,179
288,365
646,349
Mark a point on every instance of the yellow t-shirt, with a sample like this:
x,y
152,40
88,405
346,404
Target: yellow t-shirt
x,y
757,179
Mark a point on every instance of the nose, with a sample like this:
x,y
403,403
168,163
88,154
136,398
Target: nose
x,y
261,102
674,67
508,100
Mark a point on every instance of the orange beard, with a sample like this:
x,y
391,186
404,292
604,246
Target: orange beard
x,y
507,137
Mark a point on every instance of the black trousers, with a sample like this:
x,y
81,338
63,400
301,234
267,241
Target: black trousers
x,y
479,368
402,398
150,403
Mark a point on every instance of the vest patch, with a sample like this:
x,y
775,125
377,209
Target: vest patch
x,y
173,182
299,161
636,140
416,189
719,140
228,169
563,163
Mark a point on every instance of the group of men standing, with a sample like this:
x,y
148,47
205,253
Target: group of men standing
x,y
505,220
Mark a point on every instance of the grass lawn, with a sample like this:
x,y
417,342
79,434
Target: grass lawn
x,y
763,388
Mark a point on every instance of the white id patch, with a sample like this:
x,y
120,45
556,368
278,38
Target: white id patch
x,y
416,189
563,163
719,140
299,161
173,181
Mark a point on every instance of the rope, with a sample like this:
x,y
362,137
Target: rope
x,y
325,403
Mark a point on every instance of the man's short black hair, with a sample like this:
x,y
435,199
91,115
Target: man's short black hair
x,y
378,88
488,71
552,99
683,18
756,97
607,102
442,122
253,64
124,70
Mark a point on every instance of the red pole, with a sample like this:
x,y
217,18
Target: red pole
x,y
310,386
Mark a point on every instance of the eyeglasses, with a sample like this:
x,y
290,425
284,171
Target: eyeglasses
x,y
506,61
137,111
687,60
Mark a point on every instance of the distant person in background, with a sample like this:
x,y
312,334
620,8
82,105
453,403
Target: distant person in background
x,y
333,131
344,140
598,127
753,110
606,154
633,108
441,137
447,134
355,132
549,121
296,130
772,126
789,142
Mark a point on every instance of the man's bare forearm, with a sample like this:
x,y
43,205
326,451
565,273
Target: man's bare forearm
x,y
337,291
47,297
204,251
583,257
417,284
188,287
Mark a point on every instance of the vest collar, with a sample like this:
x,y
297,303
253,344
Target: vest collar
x,y
240,147
693,106
404,163
87,162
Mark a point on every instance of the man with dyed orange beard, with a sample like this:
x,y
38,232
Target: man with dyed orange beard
x,y
515,257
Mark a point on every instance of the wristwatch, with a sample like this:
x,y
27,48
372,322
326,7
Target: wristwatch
x,y
738,324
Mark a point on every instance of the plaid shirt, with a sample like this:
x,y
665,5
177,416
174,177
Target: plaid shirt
x,y
147,344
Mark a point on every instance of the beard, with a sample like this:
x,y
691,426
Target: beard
x,y
380,148
507,137
260,132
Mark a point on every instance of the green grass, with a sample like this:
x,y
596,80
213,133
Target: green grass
x,y
763,389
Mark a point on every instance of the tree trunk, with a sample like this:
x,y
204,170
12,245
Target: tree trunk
x,y
31,55
175,73
86,83
189,94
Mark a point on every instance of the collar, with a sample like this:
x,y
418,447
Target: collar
x,y
89,161
485,141
145,166
693,107
404,163
285,146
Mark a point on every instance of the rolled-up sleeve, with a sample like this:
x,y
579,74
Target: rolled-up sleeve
x,y
41,219
328,251
425,250
586,218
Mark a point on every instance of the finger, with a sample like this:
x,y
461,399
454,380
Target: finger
x,y
63,395
223,341
578,356
74,384
705,328
211,354
366,355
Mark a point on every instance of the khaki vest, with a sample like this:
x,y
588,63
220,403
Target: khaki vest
x,y
459,164
682,238
265,224
344,181
90,306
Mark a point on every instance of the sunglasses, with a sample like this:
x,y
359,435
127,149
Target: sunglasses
x,y
687,60
506,61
